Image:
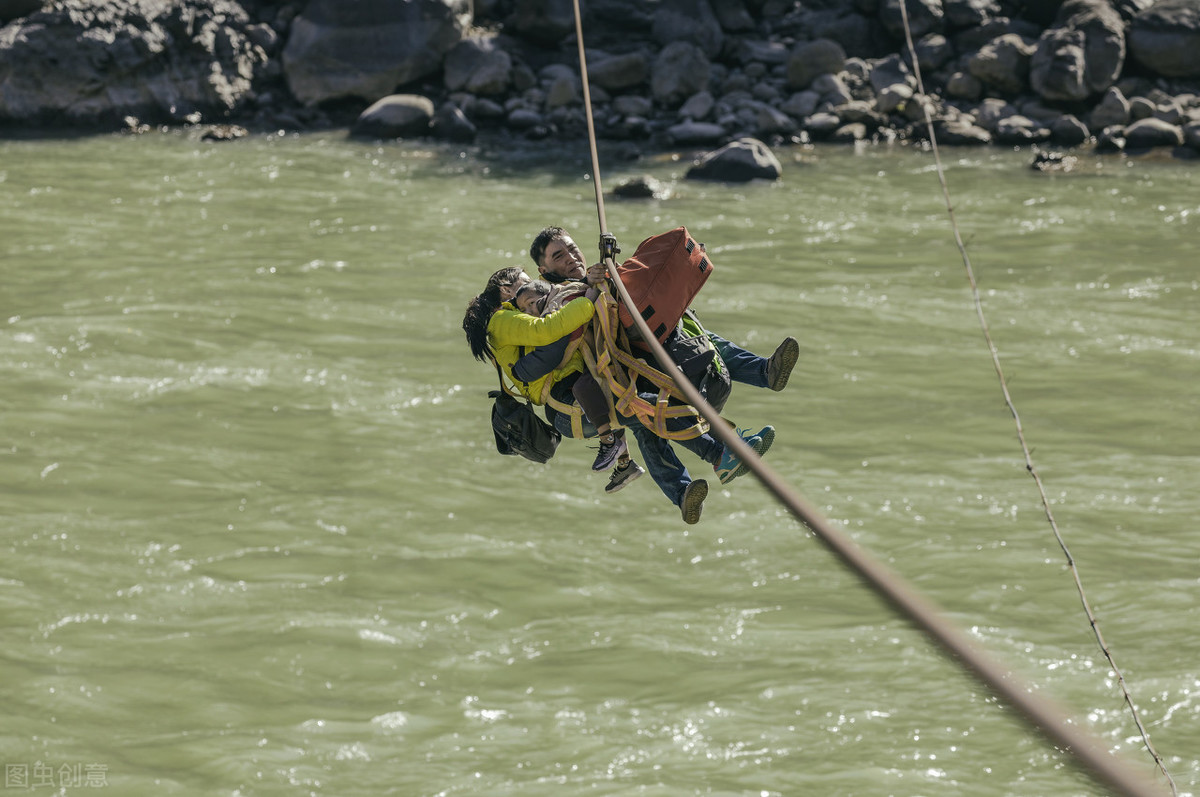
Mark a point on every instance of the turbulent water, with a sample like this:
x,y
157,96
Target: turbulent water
x,y
258,540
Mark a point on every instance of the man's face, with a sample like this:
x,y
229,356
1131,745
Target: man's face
x,y
507,292
562,257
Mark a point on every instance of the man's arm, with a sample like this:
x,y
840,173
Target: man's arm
x,y
540,361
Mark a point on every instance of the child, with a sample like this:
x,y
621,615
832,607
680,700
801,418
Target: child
x,y
540,299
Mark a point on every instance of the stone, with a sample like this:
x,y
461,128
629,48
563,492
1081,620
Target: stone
x,y
737,162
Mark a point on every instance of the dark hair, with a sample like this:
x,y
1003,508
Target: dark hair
x,y
543,239
482,307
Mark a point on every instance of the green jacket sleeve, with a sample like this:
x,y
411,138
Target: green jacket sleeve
x,y
509,327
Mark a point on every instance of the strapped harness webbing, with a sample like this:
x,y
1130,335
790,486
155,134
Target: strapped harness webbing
x,y
619,371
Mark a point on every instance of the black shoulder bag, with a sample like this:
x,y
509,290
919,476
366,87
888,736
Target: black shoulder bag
x,y
518,428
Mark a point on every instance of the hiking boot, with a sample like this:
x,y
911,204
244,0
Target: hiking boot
x,y
622,475
612,445
779,366
693,501
730,466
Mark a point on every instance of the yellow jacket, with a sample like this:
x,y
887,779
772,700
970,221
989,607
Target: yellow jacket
x,y
513,334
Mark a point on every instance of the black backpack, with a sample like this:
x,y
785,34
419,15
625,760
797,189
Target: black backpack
x,y
517,427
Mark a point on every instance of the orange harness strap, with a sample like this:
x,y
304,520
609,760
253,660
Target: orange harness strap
x,y
618,369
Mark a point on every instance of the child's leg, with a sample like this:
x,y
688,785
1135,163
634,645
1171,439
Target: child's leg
x,y
591,398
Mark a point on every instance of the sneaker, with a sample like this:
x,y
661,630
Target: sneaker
x,y
730,466
609,451
622,475
693,501
779,366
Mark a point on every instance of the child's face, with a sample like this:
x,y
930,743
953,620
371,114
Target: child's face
x,y
527,302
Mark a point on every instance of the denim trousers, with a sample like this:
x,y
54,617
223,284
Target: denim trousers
x,y
660,459
744,366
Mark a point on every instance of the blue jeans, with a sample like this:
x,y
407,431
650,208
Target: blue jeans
x,y
744,366
660,459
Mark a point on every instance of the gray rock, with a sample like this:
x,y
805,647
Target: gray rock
x,y
641,187
960,132
849,133
478,66
894,97
90,63
738,162
964,86
689,132
395,116
680,70
635,105
822,124
924,16
620,72
543,21
1068,131
1020,130
698,106
810,59
1080,56
990,111
933,52
1003,63
1165,38
691,21
771,121
1191,135
524,119
801,104
340,49
1141,108
1150,133
1111,111
15,9
970,13
451,124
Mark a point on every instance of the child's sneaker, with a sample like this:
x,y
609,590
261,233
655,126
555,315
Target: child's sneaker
x,y
730,466
612,445
692,502
622,475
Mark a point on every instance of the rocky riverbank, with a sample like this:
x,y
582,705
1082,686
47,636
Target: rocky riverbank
x,y
664,74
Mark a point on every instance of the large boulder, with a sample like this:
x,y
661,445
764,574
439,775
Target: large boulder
x,y
1003,63
15,9
1082,55
395,116
341,49
924,16
688,21
1165,38
478,66
543,21
81,62
680,70
738,162
1149,133
809,59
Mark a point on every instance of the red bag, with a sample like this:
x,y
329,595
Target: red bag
x,y
663,276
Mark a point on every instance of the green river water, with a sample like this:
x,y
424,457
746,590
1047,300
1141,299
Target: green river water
x,y
257,539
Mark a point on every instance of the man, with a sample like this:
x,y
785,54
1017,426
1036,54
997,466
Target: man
x,y
558,258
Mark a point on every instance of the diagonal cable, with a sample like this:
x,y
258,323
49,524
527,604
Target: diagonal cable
x,y
1040,712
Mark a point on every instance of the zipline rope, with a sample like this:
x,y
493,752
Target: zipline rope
x,y
1039,712
995,354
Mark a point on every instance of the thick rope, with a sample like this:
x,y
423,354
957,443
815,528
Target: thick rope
x,y
1051,721
1029,466
1039,712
